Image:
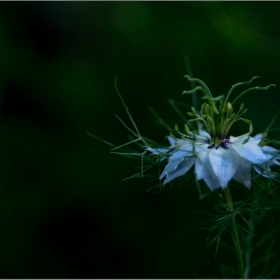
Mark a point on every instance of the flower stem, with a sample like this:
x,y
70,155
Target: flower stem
x,y
235,235
250,235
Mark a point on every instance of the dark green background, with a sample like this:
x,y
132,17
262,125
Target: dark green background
x,y
64,209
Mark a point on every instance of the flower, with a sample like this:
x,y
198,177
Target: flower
x,y
232,158
217,159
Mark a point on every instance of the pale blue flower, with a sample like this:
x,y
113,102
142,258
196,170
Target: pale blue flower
x,y
232,158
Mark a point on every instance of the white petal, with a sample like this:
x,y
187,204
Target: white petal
x,y
204,170
204,134
187,147
161,152
273,162
258,136
240,140
233,139
182,169
201,164
174,161
254,141
224,163
181,154
171,166
171,140
181,142
243,172
269,150
251,151
186,143
264,170
154,151
158,151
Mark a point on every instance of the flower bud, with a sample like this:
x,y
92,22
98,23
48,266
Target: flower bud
x,y
229,107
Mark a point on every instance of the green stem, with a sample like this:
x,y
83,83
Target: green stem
x,y
251,89
206,91
250,235
235,235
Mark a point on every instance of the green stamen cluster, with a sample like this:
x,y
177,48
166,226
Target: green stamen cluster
x,y
219,121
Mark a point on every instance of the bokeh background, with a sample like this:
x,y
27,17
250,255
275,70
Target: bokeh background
x,y
64,210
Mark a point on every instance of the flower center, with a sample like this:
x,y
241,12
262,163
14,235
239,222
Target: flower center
x,y
217,143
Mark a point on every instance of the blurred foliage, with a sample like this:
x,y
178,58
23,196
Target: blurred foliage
x,y
65,210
